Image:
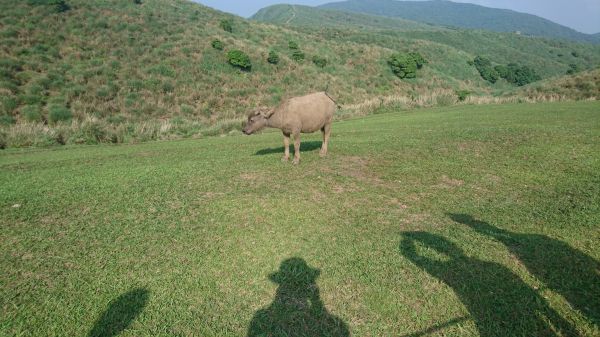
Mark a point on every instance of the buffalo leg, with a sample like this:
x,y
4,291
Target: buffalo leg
x,y
326,133
296,148
286,147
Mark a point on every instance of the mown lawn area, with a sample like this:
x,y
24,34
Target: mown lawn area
x,y
459,221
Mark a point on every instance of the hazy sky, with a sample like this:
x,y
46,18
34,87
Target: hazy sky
x,y
582,15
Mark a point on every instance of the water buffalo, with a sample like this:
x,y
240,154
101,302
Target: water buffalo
x,y
305,114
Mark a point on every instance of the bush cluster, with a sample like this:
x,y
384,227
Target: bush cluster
x,y
238,58
273,57
512,73
405,65
319,61
298,56
573,69
217,44
227,25
486,69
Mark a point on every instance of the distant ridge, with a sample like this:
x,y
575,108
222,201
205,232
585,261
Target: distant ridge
x,y
465,15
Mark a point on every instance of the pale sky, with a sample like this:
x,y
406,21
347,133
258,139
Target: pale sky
x,y
581,15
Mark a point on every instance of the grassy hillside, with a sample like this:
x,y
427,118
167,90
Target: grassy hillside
x,y
461,221
111,71
121,68
584,85
464,15
297,15
446,48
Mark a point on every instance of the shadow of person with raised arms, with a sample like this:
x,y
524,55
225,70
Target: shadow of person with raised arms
x,y
120,313
562,268
500,303
297,309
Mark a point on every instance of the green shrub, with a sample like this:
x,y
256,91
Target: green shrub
x,y
419,59
7,120
298,56
462,95
293,45
32,113
573,69
59,113
319,61
238,58
217,44
137,2
273,57
227,25
3,140
168,87
515,74
403,65
9,104
486,70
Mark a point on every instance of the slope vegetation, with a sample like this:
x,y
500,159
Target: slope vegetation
x,y
445,46
464,15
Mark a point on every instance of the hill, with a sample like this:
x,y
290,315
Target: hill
x,y
121,71
297,15
584,85
414,223
444,46
464,15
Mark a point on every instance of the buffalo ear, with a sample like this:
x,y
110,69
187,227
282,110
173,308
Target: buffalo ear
x,y
267,112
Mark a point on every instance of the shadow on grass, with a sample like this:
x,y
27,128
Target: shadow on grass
x,y
120,313
563,269
499,302
304,147
297,309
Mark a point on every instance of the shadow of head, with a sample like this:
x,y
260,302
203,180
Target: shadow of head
x,y
481,227
304,147
120,313
296,273
441,245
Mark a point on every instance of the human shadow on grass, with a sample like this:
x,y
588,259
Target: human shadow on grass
x,y
297,309
499,302
120,313
562,268
304,147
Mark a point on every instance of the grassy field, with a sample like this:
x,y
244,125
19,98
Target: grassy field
x,y
458,221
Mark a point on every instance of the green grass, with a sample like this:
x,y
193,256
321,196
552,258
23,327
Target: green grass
x,y
457,221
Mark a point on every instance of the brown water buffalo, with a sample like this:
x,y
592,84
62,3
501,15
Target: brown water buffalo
x,y
305,114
